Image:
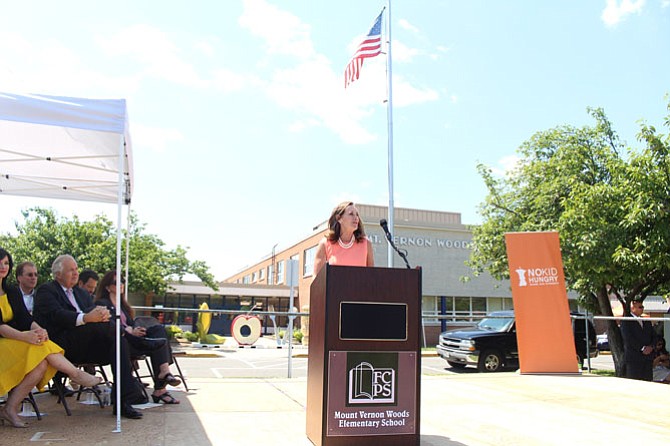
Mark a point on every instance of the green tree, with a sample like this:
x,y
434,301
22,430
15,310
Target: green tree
x,y
42,236
610,209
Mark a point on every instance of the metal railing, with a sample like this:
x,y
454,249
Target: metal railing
x,y
453,317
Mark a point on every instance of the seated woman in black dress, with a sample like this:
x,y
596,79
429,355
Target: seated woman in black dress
x,y
27,357
139,338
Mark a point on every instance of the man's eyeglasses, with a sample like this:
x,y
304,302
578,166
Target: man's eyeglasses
x,y
29,274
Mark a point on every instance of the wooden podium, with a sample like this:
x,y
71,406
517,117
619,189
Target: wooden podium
x,y
363,379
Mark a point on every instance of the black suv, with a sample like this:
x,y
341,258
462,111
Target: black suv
x,y
491,345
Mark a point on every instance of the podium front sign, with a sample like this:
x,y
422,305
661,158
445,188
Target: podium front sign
x,y
363,386
371,393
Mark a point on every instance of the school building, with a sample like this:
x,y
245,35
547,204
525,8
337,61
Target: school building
x,y
436,241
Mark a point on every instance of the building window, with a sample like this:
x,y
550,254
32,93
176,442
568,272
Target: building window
x,y
479,306
280,272
254,277
499,304
462,308
308,261
271,275
247,279
429,308
261,274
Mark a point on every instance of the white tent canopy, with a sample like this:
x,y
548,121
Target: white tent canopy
x,y
60,147
69,148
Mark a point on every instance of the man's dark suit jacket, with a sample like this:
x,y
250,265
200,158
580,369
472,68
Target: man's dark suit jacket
x,y
634,339
54,312
89,343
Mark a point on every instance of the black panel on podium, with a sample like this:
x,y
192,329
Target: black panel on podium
x,y
363,379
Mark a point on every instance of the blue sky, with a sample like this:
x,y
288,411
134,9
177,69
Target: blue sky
x,y
244,137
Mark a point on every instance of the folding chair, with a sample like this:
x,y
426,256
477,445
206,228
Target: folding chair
x,y
134,361
150,321
59,384
30,399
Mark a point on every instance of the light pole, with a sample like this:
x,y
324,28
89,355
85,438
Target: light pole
x,y
272,279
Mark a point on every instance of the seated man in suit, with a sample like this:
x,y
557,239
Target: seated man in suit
x,y
85,331
88,280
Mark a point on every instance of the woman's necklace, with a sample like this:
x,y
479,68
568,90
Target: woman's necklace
x,y
346,245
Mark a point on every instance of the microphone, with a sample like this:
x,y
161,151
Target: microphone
x,y
403,254
385,226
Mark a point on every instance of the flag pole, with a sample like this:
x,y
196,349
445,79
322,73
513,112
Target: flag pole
x,y
389,117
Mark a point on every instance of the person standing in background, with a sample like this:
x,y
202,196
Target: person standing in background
x,y
638,341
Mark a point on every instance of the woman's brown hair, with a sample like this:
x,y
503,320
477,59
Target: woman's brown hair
x,y
333,232
103,293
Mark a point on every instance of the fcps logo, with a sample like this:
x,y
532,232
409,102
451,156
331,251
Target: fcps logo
x,y
370,385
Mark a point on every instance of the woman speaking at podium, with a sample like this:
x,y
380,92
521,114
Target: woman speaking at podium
x,y
345,242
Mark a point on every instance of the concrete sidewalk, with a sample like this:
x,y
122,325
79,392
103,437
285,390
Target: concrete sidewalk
x,y
460,409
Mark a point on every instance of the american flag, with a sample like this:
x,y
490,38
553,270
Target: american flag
x,y
371,46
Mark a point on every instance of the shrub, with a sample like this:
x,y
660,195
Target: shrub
x,y
173,331
191,337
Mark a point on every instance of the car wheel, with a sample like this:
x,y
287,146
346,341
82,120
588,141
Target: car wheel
x,y
456,365
490,361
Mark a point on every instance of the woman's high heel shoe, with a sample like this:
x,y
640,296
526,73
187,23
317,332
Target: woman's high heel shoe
x,y
169,378
15,423
165,398
86,379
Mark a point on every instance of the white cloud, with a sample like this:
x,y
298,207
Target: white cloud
x,y
205,47
314,90
227,81
405,94
403,53
616,11
300,125
154,138
505,165
282,31
24,64
311,87
404,24
154,51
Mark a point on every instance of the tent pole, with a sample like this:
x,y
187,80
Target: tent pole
x,y
127,250
120,195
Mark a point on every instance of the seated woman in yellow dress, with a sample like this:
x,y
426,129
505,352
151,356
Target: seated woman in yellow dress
x,y
27,357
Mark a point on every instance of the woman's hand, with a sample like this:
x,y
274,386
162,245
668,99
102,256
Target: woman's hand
x,y
37,337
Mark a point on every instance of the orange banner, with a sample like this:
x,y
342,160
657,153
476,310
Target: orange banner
x,y
543,326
